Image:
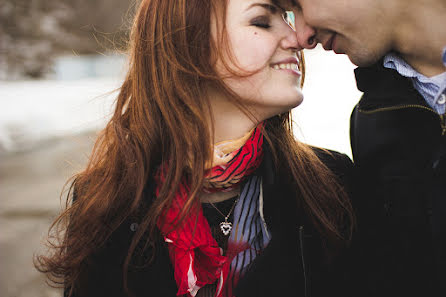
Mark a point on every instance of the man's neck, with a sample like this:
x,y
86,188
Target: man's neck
x,y
421,35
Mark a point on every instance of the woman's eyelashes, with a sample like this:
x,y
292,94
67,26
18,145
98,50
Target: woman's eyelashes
x,y
261,22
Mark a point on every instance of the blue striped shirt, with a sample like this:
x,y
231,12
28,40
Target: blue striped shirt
x,y
433,89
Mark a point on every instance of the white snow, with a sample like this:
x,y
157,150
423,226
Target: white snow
x,y
32,111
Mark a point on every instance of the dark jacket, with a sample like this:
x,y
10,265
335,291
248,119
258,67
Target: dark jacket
x,y
399,151
295,262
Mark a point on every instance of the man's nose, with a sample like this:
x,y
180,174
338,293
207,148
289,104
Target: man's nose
x,y
306,35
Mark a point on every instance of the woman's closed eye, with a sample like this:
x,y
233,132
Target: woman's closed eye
x,y
261,22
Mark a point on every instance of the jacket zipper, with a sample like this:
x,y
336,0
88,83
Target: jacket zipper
x,y
442,117
301,239
443,124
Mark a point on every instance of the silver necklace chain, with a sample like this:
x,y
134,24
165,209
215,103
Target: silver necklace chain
x,y
226,226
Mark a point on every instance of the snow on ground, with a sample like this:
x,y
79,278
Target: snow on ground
x,y
34,111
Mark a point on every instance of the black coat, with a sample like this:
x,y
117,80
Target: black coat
x,y
294,263
399,150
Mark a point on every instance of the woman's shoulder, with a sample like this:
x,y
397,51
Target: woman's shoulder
x,y
102,273
339,163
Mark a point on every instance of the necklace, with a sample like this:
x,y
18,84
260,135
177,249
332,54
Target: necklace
x,y
226,226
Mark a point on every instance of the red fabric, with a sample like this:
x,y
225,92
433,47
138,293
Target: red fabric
x,y
244,162
194,253
234,248
191,245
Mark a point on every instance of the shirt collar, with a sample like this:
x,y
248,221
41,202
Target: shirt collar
x,y
444,56
394,61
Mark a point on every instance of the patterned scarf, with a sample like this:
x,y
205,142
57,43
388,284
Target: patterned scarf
x,y
249,235
194,253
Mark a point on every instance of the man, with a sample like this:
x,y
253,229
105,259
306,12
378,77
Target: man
x,y
398,134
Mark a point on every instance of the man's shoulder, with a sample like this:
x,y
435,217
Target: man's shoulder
x,y
376,75
384,87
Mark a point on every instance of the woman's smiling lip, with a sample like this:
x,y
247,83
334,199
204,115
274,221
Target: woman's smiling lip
x,y
290,64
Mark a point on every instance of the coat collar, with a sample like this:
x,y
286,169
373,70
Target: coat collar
x,y
384,87
279,197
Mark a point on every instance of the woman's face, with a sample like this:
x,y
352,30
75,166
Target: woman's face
x,y
265,46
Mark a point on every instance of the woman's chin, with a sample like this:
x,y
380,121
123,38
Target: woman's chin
x,y
295,101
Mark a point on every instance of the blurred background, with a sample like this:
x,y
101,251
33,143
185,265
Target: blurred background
x,y
60,65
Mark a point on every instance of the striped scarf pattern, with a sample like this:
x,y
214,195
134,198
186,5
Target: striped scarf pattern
x,y
249,235
230,166
194,253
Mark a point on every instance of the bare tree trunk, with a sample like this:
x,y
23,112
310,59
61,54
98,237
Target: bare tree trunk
x,y
33,32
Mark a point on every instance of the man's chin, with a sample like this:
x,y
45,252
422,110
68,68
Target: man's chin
x,y
363,60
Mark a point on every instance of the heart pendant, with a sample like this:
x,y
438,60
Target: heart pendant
x,y
226,227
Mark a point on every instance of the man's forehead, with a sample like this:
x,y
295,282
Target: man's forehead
x,y
286,4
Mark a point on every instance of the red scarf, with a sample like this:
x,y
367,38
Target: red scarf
x,y
194,253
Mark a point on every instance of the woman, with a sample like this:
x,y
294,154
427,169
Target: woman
x,y
196,186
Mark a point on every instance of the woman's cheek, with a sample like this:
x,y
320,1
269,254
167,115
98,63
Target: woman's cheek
x,y
254,55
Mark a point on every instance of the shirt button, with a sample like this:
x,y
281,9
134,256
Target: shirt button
x,y
134,226
442,99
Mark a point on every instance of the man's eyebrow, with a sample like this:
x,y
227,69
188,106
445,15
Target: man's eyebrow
x,y
271,7
289,4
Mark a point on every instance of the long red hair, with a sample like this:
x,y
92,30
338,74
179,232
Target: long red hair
x,y
160,116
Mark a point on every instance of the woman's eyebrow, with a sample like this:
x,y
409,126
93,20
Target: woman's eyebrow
x,y
271,7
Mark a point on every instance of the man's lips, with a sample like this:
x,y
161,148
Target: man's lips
x,y
328,45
